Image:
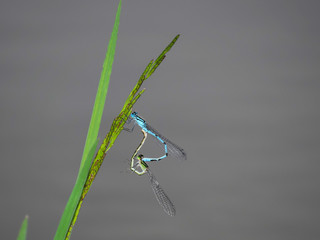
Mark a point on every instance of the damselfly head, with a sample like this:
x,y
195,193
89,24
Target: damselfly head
x,y
140,157
138,166
134,114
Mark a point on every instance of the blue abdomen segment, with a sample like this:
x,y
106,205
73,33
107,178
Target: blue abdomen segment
x,y
165,148
170,148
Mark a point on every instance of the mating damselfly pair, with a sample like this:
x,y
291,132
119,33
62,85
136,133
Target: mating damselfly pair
x,y
140,167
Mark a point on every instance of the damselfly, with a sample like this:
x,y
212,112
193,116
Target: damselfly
x,y
170,148
140,167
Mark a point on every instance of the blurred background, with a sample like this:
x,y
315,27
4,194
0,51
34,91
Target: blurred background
x,y
239,92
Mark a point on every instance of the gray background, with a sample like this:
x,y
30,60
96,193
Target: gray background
x,y
239,92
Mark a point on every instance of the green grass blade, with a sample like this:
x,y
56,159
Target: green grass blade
x,y
23,229
71,210
139,83
162,56
103,85
68,217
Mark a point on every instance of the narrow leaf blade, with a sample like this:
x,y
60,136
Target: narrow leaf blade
x,y
23,229
91,140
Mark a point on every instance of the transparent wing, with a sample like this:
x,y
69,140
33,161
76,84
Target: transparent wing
x,y
161,196
173,149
